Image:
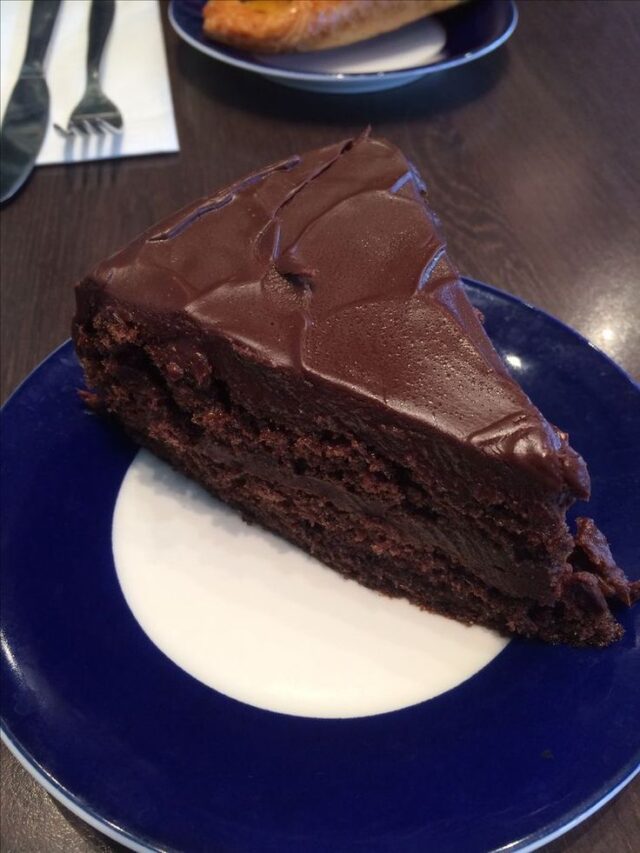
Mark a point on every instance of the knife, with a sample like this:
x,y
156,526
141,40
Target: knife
x,y
27,115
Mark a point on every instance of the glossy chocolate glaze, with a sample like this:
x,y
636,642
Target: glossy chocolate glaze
x,y
331,265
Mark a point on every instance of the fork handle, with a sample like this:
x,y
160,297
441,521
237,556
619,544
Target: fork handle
x,y
100,21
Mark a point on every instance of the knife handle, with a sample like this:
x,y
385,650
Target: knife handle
x,y
100,21
43,17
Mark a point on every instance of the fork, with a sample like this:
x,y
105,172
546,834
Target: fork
x,y
95,113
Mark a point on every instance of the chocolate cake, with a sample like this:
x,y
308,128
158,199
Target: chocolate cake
x,y
301,345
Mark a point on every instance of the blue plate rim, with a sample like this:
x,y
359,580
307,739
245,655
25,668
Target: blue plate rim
x,y
323,76
52,787
525,845
533,841
474,282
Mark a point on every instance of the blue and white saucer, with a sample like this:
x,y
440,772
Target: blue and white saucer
x,y
183,681
455,37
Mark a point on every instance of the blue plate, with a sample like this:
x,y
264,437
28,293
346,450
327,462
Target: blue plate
x,y
455,37
514,756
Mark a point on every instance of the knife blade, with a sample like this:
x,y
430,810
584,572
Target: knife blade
x,y
27,114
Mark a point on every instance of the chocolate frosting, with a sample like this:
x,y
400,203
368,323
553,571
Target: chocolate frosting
x,y
331,264
592,559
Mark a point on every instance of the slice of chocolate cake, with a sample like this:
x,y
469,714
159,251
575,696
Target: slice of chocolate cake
x,y
301,345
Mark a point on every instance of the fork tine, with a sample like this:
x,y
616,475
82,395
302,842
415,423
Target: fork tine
x,y
103,125
114,123
117,128
81,127
66,133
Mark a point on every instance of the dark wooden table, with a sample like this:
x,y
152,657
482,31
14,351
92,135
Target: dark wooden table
x,y
532,155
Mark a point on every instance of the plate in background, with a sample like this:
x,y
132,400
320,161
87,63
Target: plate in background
x,y
512,757
451,38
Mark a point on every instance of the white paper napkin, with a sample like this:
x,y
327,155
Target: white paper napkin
x,y
133,73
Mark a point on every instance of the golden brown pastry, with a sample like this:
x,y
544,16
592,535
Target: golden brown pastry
x,y
281,26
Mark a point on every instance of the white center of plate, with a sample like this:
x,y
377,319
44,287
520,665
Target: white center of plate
x,y
259,620
412,46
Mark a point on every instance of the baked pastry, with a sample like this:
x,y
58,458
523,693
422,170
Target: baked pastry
x,y
281,26
301,345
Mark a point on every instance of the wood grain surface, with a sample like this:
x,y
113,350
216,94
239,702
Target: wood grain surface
x,y
532,156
